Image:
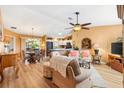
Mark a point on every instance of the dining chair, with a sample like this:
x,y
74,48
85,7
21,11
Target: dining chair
x,y
37,55
24,56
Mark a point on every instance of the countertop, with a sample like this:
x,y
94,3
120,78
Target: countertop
x,y
60,49
2,54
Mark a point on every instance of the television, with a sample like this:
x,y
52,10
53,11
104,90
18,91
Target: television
x,y
117,48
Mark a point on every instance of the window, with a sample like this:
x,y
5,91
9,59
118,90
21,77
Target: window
x,y
32,44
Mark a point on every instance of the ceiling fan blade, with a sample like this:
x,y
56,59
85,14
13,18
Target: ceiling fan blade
x,y
85,24
85,28
69,28
72,24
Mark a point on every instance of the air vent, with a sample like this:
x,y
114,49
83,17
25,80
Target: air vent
x,y
13,27
70,18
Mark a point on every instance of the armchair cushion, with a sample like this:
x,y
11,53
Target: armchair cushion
x,y
75,66
86,55
74,54
85,73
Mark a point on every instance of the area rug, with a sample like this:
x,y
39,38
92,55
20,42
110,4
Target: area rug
x,y
97,80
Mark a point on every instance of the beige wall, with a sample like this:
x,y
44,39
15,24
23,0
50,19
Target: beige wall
x,y
102,35
17,39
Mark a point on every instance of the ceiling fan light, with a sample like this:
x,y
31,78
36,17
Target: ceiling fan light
x,y
76,28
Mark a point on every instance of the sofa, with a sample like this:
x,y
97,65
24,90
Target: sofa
x,y
75,76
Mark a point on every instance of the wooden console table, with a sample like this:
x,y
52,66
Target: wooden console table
x,y
115,62
8,60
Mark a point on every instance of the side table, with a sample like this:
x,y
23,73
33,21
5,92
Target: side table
x,y
47,72
86,64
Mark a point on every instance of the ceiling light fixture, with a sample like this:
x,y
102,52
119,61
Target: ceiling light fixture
x,y
60,33
77,28
55,39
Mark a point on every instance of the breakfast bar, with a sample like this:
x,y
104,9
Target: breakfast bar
x,y
8,60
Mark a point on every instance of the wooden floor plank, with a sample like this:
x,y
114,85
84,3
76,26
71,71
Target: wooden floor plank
x,y
31,76
112,77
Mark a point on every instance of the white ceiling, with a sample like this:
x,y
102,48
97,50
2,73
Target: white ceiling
x,y
51,20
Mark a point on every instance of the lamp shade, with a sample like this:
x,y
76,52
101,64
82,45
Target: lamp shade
x,y
95,46
120,11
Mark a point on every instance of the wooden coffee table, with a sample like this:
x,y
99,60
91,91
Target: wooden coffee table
x,y
85,64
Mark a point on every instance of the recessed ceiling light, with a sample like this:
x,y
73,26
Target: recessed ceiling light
x,y
55,39
69,18
60,33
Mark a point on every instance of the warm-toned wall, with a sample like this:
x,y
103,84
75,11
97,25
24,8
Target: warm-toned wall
x,y
29,36
17,37
1,43
0,17
102,35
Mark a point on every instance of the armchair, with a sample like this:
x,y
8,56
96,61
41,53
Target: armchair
x,y
24,56
37,55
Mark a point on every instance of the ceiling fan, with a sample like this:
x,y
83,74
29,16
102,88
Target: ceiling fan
x,y
78,26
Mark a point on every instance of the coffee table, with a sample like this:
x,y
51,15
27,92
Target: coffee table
x,y
85,64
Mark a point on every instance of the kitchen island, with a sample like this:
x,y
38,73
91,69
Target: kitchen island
x,y
62,51
8,60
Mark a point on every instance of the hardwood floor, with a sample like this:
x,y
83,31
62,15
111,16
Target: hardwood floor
x,y
31,76
112,77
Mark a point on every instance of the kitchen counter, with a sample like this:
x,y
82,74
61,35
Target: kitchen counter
x,y
8,60
2,54
59,49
